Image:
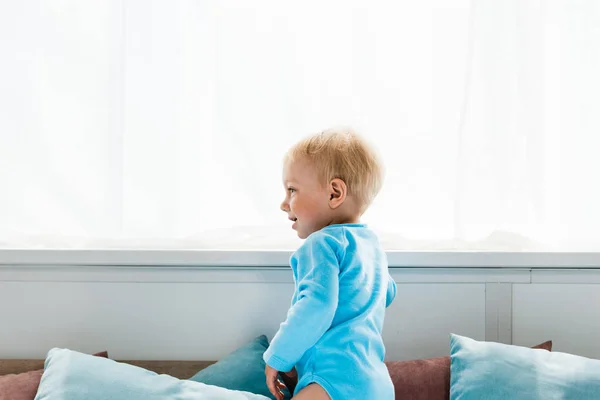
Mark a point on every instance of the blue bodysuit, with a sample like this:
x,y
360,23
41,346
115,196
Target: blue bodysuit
x,y
332,334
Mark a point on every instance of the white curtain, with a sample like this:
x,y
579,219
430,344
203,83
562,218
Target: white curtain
x,y
138,123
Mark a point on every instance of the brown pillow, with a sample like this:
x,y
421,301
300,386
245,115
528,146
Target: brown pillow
x,y
427,379
24,386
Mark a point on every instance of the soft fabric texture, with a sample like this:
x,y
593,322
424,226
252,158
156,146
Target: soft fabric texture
x,y
176,368
490,371
244,369
427,379
69,375
332,334
24,386
20,386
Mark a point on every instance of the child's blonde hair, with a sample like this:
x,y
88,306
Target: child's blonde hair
x,y
342,153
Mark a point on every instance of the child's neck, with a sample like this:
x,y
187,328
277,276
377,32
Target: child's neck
x,y
345,219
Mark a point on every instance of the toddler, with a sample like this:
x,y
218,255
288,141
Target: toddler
x,y
331,339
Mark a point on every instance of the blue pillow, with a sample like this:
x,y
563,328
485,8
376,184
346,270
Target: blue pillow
x,y
244,369
69,375
489,371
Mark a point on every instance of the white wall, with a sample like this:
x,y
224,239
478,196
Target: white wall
x,y
564,305
168,312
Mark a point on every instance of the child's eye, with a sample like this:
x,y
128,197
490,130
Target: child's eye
x,y
291,190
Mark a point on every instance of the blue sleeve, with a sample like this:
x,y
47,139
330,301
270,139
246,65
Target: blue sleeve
x,y
316,302
391,291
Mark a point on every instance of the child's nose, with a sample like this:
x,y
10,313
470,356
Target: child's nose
x,y
285,206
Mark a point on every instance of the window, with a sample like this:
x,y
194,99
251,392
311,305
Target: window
x,y
161,124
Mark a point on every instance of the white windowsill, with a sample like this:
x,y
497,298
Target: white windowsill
x,y
277,258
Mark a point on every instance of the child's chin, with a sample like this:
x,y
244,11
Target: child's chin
x,y
301,235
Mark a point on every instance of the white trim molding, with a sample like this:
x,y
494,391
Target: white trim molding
x,y
280,258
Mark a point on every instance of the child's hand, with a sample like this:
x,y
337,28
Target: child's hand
x,y
274,384
290,379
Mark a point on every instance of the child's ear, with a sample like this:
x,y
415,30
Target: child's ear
x,y
337,193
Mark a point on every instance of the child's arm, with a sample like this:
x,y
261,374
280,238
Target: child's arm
x,y
391,291
317,298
